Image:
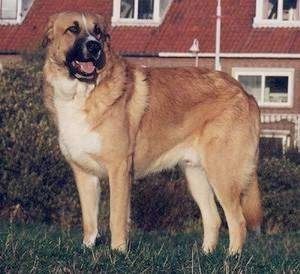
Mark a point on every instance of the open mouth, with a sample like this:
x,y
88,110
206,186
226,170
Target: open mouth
x,y
83,69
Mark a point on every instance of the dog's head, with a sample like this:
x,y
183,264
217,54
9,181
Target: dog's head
x,y
78,42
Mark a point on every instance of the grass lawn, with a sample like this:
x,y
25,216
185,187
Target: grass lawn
x,y
43,249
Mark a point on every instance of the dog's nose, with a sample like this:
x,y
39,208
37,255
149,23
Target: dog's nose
x,y
93,47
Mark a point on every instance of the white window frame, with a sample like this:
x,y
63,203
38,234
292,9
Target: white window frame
x,y
284,135
156,21
289,72
21,14
259,21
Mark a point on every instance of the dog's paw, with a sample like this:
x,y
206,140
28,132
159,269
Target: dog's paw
x,y
208,248
119,247
234,251
90,240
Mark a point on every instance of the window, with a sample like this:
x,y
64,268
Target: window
x,y
144,11
274,142
271,87
139,12
13,11
277,13
9,9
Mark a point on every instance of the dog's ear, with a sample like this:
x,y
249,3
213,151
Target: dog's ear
x,y
49,32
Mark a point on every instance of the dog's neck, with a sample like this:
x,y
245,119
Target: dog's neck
x,y
66,88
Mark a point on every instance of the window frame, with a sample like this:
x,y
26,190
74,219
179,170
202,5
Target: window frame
x,y
259,21
284,135
156,21
264,72
20,15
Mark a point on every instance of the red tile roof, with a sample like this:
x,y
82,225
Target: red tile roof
x,y
184,21
29,34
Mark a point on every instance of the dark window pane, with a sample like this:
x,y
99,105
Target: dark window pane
x,y
290,10
289,4
145,9
276,89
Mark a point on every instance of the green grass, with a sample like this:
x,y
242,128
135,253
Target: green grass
x,y
43,249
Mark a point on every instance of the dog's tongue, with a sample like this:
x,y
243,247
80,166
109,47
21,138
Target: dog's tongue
x,y
87,67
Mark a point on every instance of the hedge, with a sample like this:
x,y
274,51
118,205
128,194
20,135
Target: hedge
x,y
36,184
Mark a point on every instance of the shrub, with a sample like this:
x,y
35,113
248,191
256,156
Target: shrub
x,y
280,182
37,184
270,147
33,173
293,155
162,201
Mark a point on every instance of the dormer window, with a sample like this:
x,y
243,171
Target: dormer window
x,y
139,12
13,11
277,13
144,10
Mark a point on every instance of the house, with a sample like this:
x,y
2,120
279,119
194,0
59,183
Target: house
x,y
259,44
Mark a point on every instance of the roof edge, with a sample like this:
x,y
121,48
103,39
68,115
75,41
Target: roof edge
x,y
231,55
139,54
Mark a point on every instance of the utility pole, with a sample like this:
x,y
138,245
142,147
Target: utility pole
x,y
218,37
195,49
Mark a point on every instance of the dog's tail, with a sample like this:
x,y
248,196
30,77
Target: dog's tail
x,y
251,205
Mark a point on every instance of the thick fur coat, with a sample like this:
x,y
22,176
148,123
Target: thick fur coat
x,y
132,120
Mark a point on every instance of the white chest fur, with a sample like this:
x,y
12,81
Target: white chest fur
x,y
78,142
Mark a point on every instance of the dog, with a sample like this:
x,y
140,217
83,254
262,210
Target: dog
x,y
116,120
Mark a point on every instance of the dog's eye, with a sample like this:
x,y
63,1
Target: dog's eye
x,y
74,29
98,32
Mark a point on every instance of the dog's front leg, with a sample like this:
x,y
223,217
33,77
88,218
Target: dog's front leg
x,y
89,193
120,185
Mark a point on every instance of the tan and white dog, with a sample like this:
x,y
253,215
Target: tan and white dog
x,y
114,119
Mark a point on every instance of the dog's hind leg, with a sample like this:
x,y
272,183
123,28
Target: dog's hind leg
x,y
89,192
226,180
229,198
204,197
